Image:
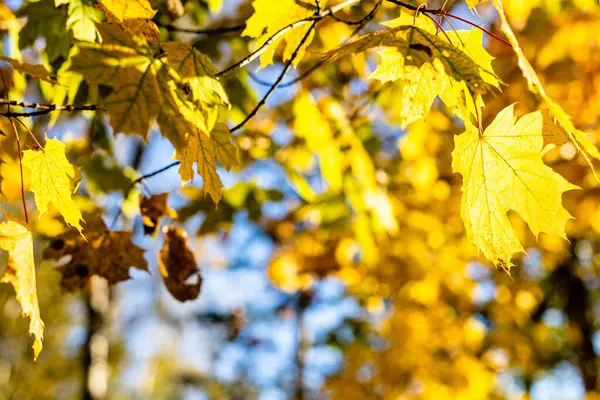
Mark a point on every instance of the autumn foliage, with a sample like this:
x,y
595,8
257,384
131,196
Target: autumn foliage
x,y
426,153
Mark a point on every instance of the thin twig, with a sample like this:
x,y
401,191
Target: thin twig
x,y
287,67
141,180
440,11
435,21
258,52
366,18
319,64
43,108
30,134
466,21
19,151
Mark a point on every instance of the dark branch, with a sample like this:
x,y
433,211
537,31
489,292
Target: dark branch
x,y
287,67
362,21
319,64
43,108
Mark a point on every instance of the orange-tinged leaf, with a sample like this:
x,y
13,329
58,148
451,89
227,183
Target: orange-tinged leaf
x,y
177,265
53,180
16,239
502,170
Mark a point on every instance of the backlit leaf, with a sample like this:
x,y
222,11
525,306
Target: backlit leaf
x,y
52,180
579,138
134,16
502,170
16,239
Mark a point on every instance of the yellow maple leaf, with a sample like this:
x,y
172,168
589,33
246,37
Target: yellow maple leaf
x,y
52,180
133,15
271,16
579,138
16,239
502,170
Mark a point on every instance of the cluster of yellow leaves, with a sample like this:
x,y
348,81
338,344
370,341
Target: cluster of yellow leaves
x,y
149,88
426,66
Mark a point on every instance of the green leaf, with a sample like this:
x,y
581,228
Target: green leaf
x,y
44,19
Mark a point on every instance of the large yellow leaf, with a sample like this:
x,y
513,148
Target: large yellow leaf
x,y
53,180
271,16
579,138
502,170
16,239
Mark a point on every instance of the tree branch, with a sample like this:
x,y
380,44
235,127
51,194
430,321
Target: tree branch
x,y
318,16
287,67
43,108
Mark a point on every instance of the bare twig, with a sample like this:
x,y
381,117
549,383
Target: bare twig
x,y
43,108
30,134
319,64
318,16
287,67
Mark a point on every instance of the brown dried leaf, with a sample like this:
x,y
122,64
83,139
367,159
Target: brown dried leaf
x,y
105,253
177,265
153,208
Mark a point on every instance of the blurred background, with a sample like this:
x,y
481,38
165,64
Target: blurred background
x,y
311,291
